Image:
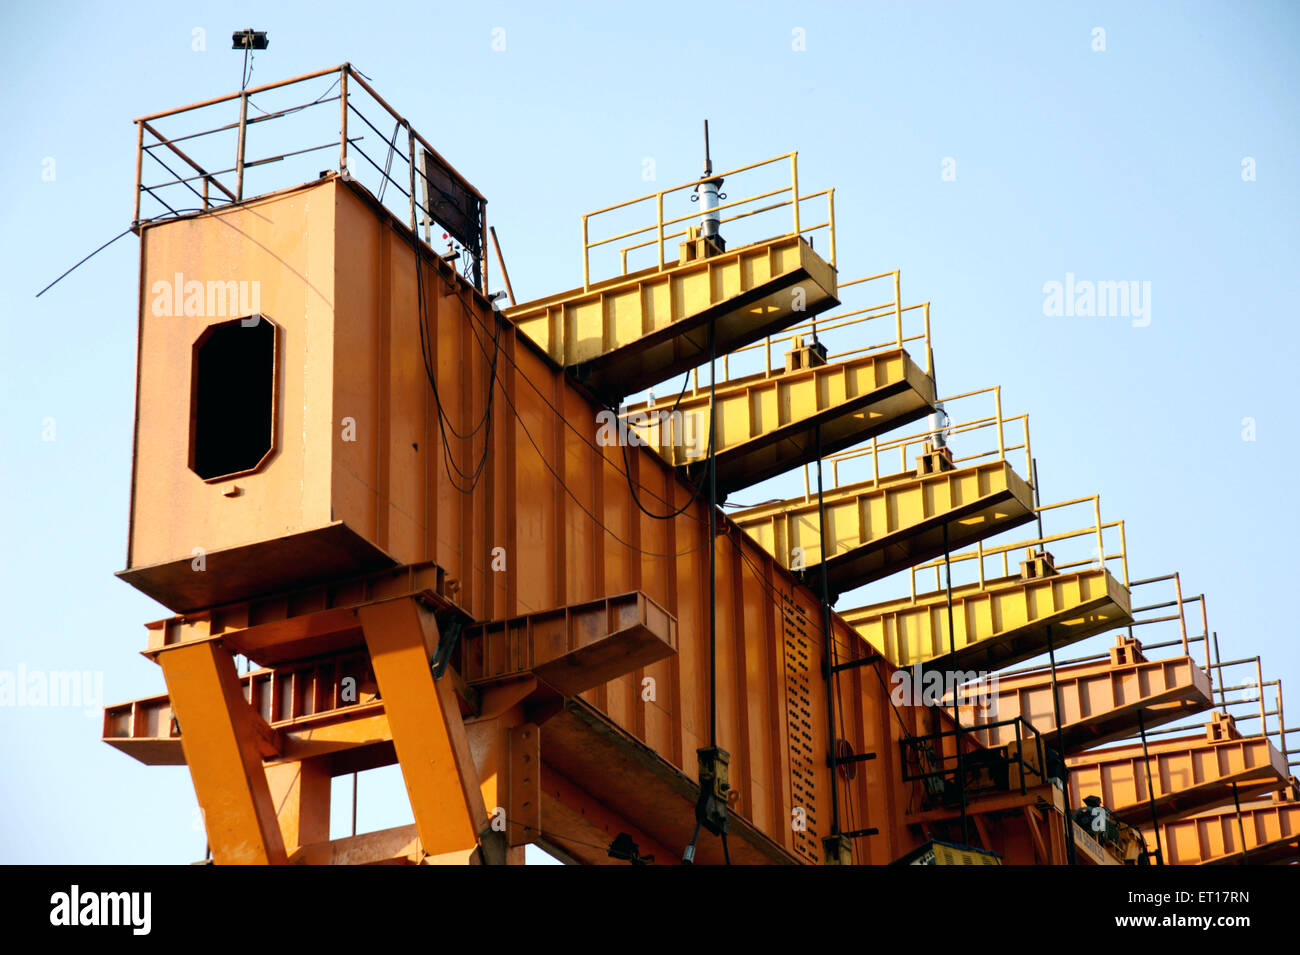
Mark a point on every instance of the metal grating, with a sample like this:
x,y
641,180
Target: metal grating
x,y
799,722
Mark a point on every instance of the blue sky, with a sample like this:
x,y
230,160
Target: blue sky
x,y
1122,164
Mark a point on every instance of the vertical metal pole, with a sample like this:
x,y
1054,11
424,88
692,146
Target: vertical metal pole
x,y
794,190
586,257
410,154
343,117
898,306
1060,750
483,248
659,219
239,158
831,220
713,541
956,715
1123,552
354,804
997,414
1182,619
1101,543
1241,828
1281,731
1151,794
830,642
1218,668
929,351
1263,709
1038,501
139,160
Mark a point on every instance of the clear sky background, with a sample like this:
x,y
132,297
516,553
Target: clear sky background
x,y
1122,164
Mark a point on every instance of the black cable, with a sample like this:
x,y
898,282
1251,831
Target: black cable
x,y
86,259
713,544
485,423
388,162
560,480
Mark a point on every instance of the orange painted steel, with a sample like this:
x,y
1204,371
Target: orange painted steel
x,y
428,735
1100,701
465,510
220,739
1271,829
1187,773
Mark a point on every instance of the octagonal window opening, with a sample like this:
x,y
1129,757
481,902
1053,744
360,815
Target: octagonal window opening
x,y
233,398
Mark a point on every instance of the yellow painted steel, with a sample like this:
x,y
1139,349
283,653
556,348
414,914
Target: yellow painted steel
x,y
765,424
876,528
635,330
997,625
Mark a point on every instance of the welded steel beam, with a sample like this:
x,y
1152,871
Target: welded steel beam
x,y
876,529
1000,624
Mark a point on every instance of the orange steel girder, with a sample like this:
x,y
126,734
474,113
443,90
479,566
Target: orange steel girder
x,y
220,739
428,734
554,501
1186,774
1100,701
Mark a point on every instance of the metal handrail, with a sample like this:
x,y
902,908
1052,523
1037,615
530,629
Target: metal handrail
x,y
1025,731
349,82
1095,530
661,226
876,449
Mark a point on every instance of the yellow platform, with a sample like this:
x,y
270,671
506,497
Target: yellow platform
x,y
766,423
997,625
627,333
874,529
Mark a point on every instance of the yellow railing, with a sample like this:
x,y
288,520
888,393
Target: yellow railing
x,y
877,450
891,311
663,229
1094,532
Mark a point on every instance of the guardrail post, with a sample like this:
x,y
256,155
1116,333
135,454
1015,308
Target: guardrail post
x,y
343,118
1182,619
1123,552
239,158
410,150
832,225
1101,549
139,160
659,216
794,189
997,412
586,257
898,306
929,351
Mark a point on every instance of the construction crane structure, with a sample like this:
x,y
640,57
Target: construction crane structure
x,y
400,522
